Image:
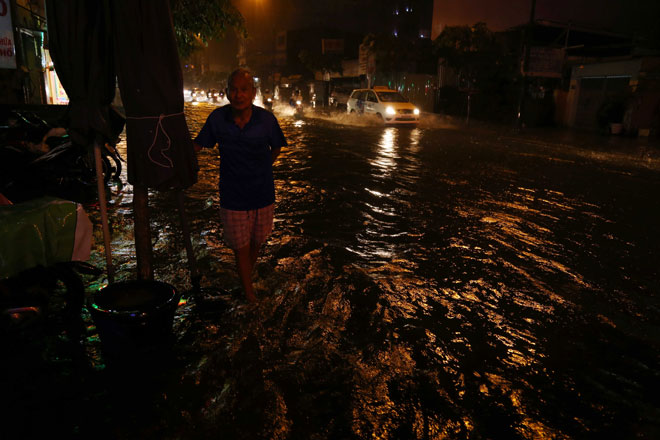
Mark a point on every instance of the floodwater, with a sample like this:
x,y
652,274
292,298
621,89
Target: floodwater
x,y
420,283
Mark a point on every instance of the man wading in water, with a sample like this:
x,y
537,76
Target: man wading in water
x,y
249,140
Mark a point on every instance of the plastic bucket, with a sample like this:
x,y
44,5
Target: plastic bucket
x,y
134,317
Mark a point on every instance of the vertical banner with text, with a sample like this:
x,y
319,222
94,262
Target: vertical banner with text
x,y
7,52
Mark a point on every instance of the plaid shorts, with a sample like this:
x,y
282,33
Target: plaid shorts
x,y
242,228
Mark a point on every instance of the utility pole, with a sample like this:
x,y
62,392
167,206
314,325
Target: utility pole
x,y
527,41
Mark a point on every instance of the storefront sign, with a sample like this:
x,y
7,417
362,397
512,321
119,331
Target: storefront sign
x,y
7,52
545,62
332,45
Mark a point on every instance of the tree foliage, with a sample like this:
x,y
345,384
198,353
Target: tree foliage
x,y
196,22
392,54
476,55
398,55
319,62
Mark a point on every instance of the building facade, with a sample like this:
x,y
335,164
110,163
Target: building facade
x,y
27,75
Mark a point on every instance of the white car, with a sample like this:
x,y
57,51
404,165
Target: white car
x,y
388,104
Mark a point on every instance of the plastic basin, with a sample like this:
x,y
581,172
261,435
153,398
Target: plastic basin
x,y
134,317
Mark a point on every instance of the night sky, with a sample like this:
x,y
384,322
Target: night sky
x,y
265,17
625,16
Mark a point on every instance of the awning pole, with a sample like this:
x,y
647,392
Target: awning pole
x,y
100,184
142,230
185,226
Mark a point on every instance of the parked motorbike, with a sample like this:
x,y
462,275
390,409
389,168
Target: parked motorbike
x,y
38,160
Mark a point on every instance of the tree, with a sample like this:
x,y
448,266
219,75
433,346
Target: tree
x,y
475,54
480,58
196,22
392,54
320,62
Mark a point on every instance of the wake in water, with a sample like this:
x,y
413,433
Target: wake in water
x,y
426,121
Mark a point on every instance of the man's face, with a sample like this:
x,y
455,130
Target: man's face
x,y
241,92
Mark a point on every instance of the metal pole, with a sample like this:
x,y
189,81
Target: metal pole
x,y
143,249
100,185
467,120
527,40
185,226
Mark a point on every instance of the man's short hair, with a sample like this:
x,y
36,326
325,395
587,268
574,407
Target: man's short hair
x,y
237,72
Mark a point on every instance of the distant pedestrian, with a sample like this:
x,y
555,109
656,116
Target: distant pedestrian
x,y
296,96
249,140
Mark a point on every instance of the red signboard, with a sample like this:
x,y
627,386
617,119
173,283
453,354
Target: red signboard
x,y
7,52
545,62
331,45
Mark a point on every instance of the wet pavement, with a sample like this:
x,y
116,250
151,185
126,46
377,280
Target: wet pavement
x,y
426,283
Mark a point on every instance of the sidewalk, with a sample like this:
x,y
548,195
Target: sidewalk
x,y
639,151
583,139
643,152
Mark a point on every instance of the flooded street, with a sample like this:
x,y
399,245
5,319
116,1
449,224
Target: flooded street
x,y
420,283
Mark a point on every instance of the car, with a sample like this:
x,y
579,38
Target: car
x,y
214,95
198,95
391,106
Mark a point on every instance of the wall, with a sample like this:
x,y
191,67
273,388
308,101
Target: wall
x,y
592,84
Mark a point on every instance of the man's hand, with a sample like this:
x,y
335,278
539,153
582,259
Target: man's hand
x,y
274,152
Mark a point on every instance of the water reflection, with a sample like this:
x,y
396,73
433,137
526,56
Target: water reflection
x,y
385,161
415,135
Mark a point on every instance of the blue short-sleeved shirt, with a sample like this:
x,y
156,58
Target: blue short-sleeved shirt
x,y
246,171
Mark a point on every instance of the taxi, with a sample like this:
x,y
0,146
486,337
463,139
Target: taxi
x,y
389,105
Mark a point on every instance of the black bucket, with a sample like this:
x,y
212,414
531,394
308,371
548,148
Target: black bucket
x,y
134,317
